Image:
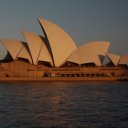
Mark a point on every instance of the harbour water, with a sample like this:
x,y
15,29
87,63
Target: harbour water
x,y
64,105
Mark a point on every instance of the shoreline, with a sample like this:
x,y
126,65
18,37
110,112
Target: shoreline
x,y
67,79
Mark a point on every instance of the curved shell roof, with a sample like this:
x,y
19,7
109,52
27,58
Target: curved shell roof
x,y
89,53
13,47
16,49
60,42
123,60
24,54
114,58
45,55
38,49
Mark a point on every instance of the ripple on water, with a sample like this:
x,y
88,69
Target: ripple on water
x,y
64,105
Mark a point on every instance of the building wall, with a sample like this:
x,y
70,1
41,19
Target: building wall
x,y
91,71
24,69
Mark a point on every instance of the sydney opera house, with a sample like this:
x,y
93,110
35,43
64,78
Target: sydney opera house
x,y
55,56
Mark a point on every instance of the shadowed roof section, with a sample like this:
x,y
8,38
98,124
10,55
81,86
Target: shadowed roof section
x,y
89,53
114,58
60,42
16,49
38,49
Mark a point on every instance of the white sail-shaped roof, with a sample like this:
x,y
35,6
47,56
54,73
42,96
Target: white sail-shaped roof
x,y
38,49
16,49
60,42
123,60
114,58
45,55
24,54
89,53
13,47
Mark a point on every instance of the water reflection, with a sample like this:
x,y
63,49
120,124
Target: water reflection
x,y
64,105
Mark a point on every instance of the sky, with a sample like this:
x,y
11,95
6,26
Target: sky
x,y
84,20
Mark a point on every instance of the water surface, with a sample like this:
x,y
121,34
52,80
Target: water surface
x,y
64,105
